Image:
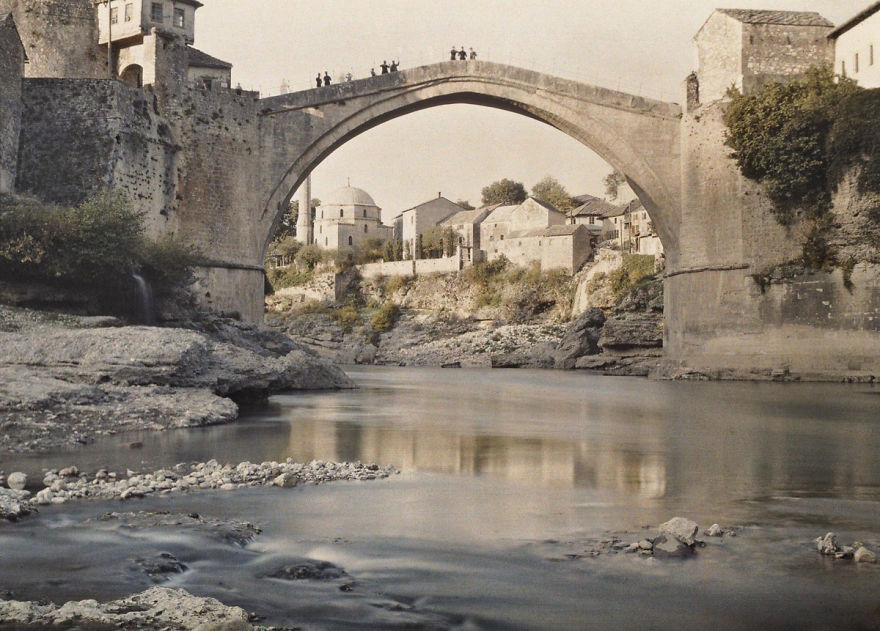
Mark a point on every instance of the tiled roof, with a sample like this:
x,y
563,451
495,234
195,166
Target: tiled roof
x,y
595,206
203,60
473,216
790,18
560,230
856,19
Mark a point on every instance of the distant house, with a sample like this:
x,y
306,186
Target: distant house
x,y
593,212
747,48
208,71
531,214
855,47
418,219
466,225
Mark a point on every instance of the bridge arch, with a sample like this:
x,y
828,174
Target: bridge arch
x,y
637,136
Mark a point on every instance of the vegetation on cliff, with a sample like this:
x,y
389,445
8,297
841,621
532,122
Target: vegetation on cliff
x,y
95,246
800,140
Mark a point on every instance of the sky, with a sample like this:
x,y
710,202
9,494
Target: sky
x,y
639,46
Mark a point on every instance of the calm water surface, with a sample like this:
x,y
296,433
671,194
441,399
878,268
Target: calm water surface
x,y
508,480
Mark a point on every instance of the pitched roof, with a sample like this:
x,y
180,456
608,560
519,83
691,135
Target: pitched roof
x,y
593,206
853,21
501,213
544,204
474,216
200,59
560,230
789,18
438,204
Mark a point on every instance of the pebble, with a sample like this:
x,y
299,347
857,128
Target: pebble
x,y
70,484
714,531
863,555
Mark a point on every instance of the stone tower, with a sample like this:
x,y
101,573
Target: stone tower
x,y
304,225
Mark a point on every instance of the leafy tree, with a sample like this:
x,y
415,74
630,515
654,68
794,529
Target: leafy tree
x,y
437,242
287,225
464,204
504,192
551,191
309,256
613,181
779,136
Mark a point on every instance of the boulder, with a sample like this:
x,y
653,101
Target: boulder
x,y
863,555
16,481
286,480
714,531
580,339
681,529
14,504
670,547
630,331
828,544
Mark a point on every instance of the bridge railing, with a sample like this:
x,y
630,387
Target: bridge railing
x,y
567,69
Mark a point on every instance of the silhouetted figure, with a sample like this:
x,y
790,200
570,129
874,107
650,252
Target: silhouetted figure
x,y
372,72
462,55
318,80
473,54
394,65
348,76
326,78
453,54
384,67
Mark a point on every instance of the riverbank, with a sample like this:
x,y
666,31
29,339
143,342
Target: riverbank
x,y
66,380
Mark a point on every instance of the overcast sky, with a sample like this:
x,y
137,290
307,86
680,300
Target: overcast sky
x,y
638,46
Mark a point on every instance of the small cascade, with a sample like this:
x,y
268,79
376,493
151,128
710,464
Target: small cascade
x,y
146,307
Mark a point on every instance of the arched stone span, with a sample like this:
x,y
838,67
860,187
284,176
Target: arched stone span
x,y
639,137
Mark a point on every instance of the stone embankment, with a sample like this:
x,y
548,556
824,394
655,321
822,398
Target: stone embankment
x,y
66,380
61,486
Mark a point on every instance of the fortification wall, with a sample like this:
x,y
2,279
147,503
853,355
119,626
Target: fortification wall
x,y
11,69
60,37
81,136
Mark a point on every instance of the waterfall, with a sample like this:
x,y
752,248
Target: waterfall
x,y
146,308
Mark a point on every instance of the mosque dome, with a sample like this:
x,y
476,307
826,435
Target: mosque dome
x,y
349,196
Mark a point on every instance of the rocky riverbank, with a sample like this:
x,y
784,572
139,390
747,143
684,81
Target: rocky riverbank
x,y
66,380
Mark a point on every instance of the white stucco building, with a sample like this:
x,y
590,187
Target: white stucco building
x,y
416,220
348,217
857,47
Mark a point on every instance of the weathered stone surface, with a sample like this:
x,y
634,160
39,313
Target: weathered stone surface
x,y
670,547
309,569
14,504
632,331
828,544
155,608
158,567
714,531
681,529
581,338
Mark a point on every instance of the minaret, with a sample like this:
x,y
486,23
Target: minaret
x,y
305,227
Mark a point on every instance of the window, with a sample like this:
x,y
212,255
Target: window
x,y
349,241
156,12
856,64
365,227
179,18
114,15
340,212
326,241
502,237
365,212
129,11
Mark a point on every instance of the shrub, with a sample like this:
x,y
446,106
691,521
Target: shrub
x,y
168,263
281,277
392,284
346,317
309,256
385,317
634,269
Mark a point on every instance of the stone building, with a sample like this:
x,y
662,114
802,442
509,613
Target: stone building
x,y
208,71
857,47
348,217
416,220
748,48
559,246
529,215
12,62
593,213
466,225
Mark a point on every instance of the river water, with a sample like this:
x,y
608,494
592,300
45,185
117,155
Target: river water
x,y
509,481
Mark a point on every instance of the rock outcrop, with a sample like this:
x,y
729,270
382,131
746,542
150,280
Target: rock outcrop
x,y
63,385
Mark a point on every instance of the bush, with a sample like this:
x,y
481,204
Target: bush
x,y
385,317
309,256
281,277
780,138
346,317
634,269
392,284
96,245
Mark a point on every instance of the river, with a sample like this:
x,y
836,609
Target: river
x,y
510,481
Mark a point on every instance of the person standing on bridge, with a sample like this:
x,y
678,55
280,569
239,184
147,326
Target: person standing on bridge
x,y
462,55
318,80
473,54
326,78
452,54
372,72
394,65
384,67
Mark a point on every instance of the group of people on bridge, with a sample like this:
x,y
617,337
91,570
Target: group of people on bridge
x,y
461,55
384,66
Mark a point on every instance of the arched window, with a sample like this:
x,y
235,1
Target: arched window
x,y
365,227
349,241
326,241
340,212
133,75
365,212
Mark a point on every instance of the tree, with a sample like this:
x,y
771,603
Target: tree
x,y
287,225
613,181
551,191
504,192
464,204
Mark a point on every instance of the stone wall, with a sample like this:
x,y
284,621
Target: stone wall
x,y
719,56
773,52
60,37
81,136
11,71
